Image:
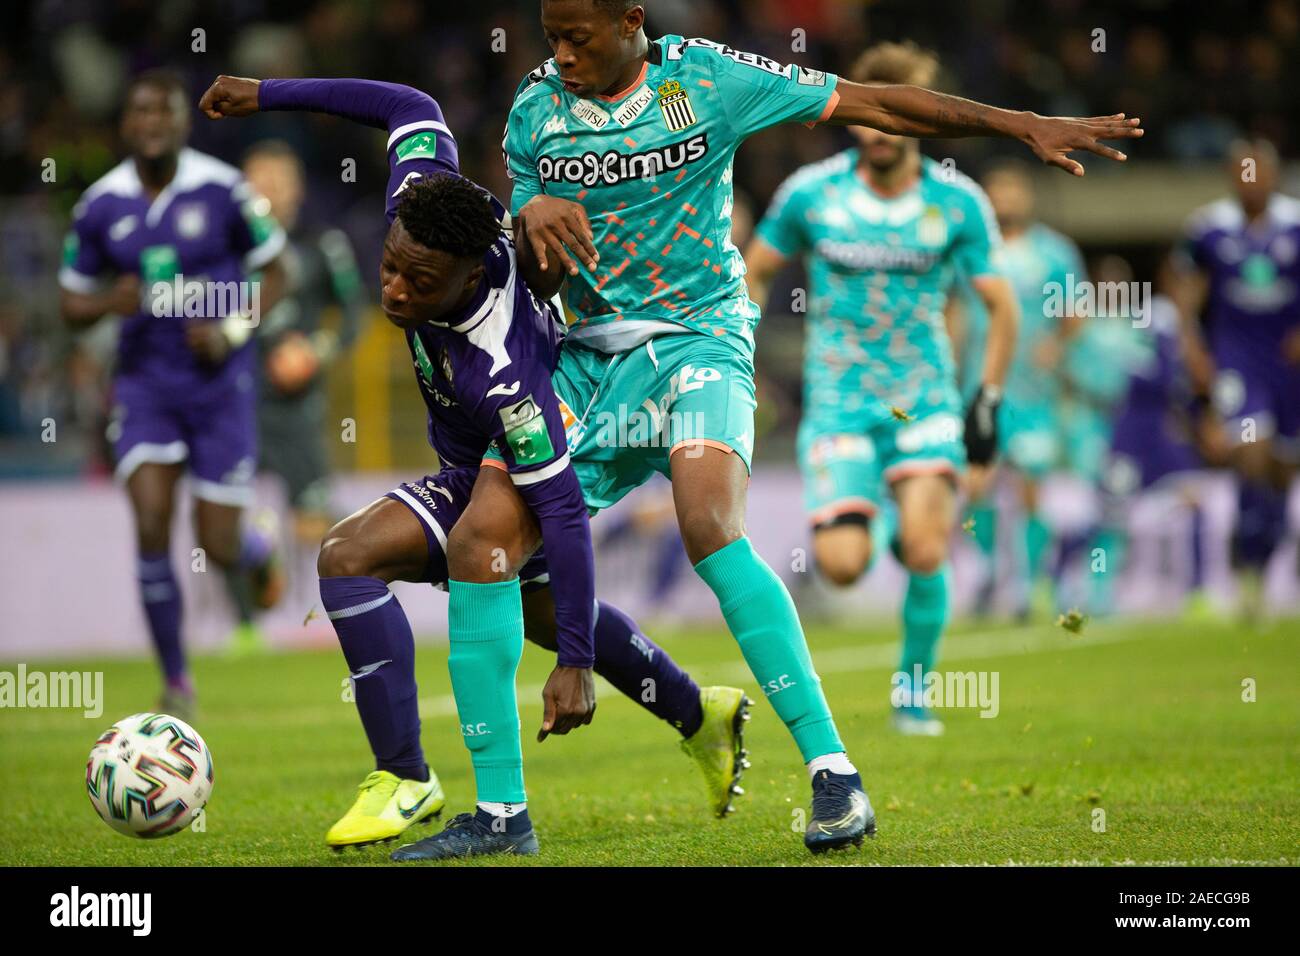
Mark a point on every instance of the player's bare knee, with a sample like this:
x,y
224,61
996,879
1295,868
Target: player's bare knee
x,y
706,530
343,556
924,554
843,563
482,553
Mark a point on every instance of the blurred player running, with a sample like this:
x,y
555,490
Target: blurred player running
x,y
1240,303
641,136
297,349
483,367
885,230
184,388
1043,267
1152,452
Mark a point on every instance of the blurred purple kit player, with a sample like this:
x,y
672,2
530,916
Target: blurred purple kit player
x,y
484,376
1252,313
170,404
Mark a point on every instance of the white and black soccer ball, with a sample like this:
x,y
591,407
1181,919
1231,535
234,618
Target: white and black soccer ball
x,y
149,775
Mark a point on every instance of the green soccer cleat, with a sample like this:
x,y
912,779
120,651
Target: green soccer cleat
x,y
386,806
718,745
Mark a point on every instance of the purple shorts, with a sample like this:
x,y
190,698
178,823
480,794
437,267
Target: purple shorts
x,y
215,432
1258,393
438,501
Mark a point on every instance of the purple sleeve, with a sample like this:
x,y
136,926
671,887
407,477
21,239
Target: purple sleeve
x,y
419,141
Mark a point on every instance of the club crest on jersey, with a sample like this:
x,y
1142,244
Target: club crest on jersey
x,y
446,364
932,230
676,106
191,221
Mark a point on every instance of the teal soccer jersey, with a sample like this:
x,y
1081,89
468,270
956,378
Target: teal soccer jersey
x,y
652,167
1043,267
880,391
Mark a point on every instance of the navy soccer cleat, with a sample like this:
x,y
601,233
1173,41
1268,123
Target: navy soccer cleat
x,y
841,812
474,834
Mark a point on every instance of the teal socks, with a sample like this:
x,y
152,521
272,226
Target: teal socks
x,y
487,640
762,618
925,613
985,519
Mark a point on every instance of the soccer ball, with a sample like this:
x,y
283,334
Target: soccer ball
x,y
149,775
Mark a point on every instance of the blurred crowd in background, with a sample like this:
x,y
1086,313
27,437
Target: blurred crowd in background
x,y
1199,74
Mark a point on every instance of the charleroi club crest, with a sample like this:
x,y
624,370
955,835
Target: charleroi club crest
x,y
676,106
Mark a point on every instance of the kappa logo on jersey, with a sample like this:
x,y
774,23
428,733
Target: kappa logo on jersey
x,y
556,124
612,167
676,106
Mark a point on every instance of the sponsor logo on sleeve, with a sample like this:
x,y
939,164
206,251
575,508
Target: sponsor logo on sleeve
x,y
526,432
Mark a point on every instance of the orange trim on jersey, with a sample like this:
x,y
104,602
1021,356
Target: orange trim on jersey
x,y
833,102
706,442
645,67
493,463
928,466
845,506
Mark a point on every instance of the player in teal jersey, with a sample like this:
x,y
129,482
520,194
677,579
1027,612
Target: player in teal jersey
x,y
884,230
1042,266
621,154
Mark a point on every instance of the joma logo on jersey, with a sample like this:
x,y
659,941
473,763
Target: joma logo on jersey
x,y
676,106
612,167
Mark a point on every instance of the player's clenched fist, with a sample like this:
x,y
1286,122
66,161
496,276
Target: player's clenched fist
x,y
230,96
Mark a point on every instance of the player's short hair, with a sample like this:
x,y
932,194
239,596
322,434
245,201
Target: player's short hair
x,y
615,9
160,78
273,149
451,214
896,63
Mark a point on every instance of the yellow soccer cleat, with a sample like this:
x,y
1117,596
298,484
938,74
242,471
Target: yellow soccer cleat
x,y
386,806
718,746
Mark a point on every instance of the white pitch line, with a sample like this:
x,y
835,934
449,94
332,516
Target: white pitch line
x,y
847,660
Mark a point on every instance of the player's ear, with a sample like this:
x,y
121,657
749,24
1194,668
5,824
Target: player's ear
x,y
474,277
633,21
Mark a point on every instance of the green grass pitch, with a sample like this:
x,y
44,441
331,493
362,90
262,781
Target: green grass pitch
x,y
1142,720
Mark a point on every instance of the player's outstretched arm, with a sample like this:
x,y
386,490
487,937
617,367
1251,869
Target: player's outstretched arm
x,y
915,111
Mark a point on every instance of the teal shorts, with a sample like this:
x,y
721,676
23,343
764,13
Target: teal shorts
x,y
848,465
1029,437
624,414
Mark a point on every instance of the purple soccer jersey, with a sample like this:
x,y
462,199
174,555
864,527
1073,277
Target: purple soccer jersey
x,y
1151,439
485,376
194,247
1253,304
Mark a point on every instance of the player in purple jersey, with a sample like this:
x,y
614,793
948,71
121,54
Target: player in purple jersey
x,y
483,348
1151,447
173,241
1240,304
